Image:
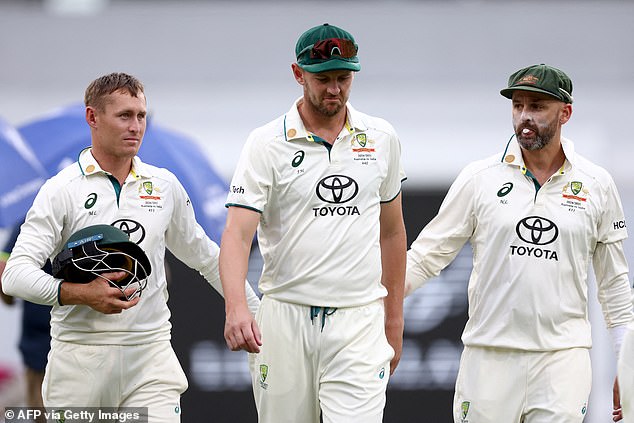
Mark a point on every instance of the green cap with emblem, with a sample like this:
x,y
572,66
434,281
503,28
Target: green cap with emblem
x,y
541,79
326,48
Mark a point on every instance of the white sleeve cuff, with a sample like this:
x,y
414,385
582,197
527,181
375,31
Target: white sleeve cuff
x,y
617,333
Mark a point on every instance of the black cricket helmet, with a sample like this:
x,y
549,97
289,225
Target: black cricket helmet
x,y
99,249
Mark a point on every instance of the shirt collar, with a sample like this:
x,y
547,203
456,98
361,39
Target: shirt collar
x,y
89,165
294,129
513,155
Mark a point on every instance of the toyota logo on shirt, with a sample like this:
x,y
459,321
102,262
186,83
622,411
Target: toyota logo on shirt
x,y
337,189
134,229
537,230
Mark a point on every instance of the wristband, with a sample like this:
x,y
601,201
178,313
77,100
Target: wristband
x,y
59,293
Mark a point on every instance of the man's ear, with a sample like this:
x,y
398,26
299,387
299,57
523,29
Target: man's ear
x,y
91,119
566,113
298,73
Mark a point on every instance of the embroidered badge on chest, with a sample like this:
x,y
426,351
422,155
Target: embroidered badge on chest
x,y
363,149
150,196
575,196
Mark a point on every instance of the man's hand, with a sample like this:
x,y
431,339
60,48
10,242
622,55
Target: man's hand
x,y
98,294
394,334
242,332
617,412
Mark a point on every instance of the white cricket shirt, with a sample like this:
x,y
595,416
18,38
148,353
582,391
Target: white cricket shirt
x,y
531,251
319,225
152,207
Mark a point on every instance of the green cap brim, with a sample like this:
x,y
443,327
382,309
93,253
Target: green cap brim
x,y
330,65
508,92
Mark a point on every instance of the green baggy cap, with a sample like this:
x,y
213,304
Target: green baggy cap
x,y
542,79
325,48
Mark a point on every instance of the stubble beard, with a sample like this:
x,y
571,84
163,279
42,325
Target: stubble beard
x,y
329,112
319,106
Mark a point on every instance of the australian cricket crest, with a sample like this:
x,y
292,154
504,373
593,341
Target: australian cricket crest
x,y
147,186
150,196
264,372
575,195
363,148
464,411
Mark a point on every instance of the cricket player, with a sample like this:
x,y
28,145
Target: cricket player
x,y
322,185
107,351
537,216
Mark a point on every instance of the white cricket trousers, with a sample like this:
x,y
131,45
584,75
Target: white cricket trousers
x,y
320,358
116,376
511,386
626,375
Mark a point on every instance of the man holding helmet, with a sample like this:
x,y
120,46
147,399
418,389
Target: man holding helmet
x,y
111,342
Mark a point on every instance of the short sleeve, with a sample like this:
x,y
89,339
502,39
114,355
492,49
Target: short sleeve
x,y
391,186
252,178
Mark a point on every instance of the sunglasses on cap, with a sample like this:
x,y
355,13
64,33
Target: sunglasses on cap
x,y
326,49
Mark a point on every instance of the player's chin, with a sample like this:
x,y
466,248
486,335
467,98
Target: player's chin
x,y
129,151
528,143
331,108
